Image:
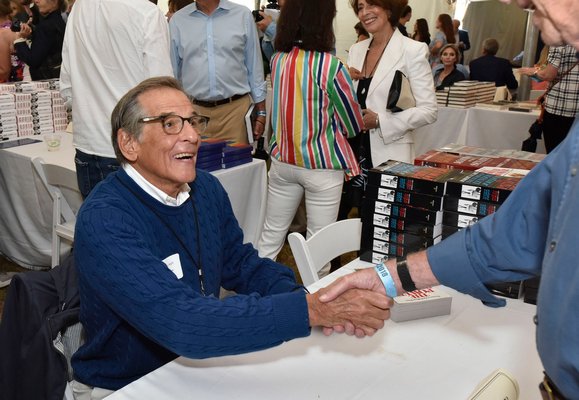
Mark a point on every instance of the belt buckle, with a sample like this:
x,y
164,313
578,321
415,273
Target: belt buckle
x,y
546,390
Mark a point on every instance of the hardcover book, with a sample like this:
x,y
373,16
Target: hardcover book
x,y
480,186
442,159
467,206
484,152
408,213
400,225
413,178
422,303
370,232
459,220
433,203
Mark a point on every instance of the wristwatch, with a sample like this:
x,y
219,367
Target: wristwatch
x,y
404,275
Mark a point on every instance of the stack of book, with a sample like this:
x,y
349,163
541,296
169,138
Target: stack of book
x,y
472,195
451,160
235,154
465,94
422,303
402,210
484,152
8,125
210,154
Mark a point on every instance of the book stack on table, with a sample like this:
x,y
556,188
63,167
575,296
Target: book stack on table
x,y
465,94
210,154
8,121
402,210
236,154
217,154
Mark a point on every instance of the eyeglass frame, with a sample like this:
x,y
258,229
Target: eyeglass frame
x,y
163,117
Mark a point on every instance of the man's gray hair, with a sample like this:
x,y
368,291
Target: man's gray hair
x,y
128,111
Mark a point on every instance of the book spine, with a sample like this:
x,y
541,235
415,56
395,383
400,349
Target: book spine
x,y
400,211
476,192
403,197
472,207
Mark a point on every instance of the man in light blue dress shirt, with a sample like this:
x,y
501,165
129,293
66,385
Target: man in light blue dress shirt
x,y
216,56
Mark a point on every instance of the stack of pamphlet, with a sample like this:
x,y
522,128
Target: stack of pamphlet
x,y
421,303
465,94
235,154
210,154
401,211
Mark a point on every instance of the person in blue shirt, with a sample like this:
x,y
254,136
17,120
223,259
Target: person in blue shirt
x,y
216,56
534,233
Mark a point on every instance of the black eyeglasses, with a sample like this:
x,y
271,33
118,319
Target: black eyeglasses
x,y
173,124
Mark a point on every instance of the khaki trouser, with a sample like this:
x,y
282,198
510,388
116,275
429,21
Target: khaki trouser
x,y
227,121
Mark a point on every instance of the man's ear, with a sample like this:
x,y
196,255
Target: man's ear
x,y
128,145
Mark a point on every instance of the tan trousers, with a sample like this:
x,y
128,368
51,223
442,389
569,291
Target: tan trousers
x,y
227,121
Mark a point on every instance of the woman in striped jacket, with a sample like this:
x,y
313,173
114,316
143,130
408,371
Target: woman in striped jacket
x,y
314,111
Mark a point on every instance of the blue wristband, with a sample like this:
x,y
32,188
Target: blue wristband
x,y
386,279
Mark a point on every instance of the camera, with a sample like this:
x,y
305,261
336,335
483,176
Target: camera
x,y
272,4
256,15
16,25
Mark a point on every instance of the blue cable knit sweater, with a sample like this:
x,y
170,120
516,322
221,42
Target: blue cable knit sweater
x,y
136,313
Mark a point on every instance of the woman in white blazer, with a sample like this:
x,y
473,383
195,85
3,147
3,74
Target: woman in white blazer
x,y
373,63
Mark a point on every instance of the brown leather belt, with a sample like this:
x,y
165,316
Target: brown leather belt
x,y
549,391
215,103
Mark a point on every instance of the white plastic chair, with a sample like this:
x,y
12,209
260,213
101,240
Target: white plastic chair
x,y
62,185
331,241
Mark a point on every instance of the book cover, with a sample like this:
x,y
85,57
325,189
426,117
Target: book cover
x,y
512,172
236,163
409,177
433,203
421,303
466,206
408,213
235,149
480,186
369,250
449,231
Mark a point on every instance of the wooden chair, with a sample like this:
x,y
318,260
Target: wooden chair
x,y
335,239
62,185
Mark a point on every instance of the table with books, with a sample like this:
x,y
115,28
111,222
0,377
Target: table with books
x,y
477,122
443,357
26,207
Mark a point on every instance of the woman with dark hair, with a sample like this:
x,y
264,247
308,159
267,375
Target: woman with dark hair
x,y
361,33
421,32
447,76
314,111
44,54
444,35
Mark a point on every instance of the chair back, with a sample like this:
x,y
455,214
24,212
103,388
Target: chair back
x,y
329,242
62,185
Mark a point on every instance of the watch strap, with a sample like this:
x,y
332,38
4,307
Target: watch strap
x,y
404,275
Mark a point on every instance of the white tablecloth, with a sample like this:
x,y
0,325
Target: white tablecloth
x,y
494,129
26,207
435,358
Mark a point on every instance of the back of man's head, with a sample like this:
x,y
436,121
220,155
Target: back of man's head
x,y
490,47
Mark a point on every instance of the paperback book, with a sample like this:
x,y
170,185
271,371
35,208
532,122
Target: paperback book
x,y
407,213
480,186
433,203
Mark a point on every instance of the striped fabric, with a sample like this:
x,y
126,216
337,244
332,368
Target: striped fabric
x,y
314,111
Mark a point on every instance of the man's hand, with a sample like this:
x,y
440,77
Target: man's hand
x,y
355,311
264,23
364,279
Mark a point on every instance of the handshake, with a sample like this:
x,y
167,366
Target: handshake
x,y
355,304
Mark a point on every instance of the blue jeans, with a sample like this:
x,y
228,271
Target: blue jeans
x,y
91,169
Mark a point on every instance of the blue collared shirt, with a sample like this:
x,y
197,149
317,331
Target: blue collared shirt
x,y
217,56
533,233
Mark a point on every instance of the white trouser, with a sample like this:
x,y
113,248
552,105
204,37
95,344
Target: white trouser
x,y
287,183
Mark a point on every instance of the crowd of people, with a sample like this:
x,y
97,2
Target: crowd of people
x,y
156,239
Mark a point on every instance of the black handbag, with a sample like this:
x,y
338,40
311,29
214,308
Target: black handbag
x,y
536,132
400,95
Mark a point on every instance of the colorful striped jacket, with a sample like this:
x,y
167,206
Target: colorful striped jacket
x,y
314,111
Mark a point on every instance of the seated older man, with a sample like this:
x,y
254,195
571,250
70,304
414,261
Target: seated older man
x,y
157,240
